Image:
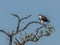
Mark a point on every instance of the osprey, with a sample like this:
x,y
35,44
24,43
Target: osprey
x,y
43,19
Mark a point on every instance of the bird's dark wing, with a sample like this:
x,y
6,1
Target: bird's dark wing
x,y
45,19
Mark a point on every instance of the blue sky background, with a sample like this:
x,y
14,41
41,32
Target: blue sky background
x,y
50,8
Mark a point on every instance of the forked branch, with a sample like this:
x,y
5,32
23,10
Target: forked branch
x,y
37,36
4,32
19,21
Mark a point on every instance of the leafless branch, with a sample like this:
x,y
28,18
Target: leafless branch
x,y
29,24
33,37
4,32
9,35
15,16
25,18
30,37
19,20
36,37
18,41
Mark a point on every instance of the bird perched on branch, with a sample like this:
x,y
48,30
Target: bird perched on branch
x,y
43,19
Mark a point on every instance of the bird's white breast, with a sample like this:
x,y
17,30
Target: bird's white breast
x,y
40,17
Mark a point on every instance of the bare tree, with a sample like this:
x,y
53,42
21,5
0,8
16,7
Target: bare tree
x,y
29,37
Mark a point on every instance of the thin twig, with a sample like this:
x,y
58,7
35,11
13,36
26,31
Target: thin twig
x,y
19,20
29,24
25,18
15,15
4,32
26,26
34,36
18,41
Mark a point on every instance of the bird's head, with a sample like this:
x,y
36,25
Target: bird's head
x,y
40,15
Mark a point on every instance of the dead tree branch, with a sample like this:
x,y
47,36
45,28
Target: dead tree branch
x,y
29,24
17,29
37,36
18,41
29,37
19,21
4,32
9,35
25,18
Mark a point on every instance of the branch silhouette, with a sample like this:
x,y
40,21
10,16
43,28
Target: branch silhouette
x,y
36,37
17,29
29,37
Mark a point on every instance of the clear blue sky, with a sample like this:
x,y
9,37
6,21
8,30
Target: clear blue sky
x,y
50,8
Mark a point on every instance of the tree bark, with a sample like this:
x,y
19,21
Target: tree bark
x,y
10,42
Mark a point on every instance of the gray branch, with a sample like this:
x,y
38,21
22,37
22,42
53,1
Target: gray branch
x,y
4,32
29,24
19,21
